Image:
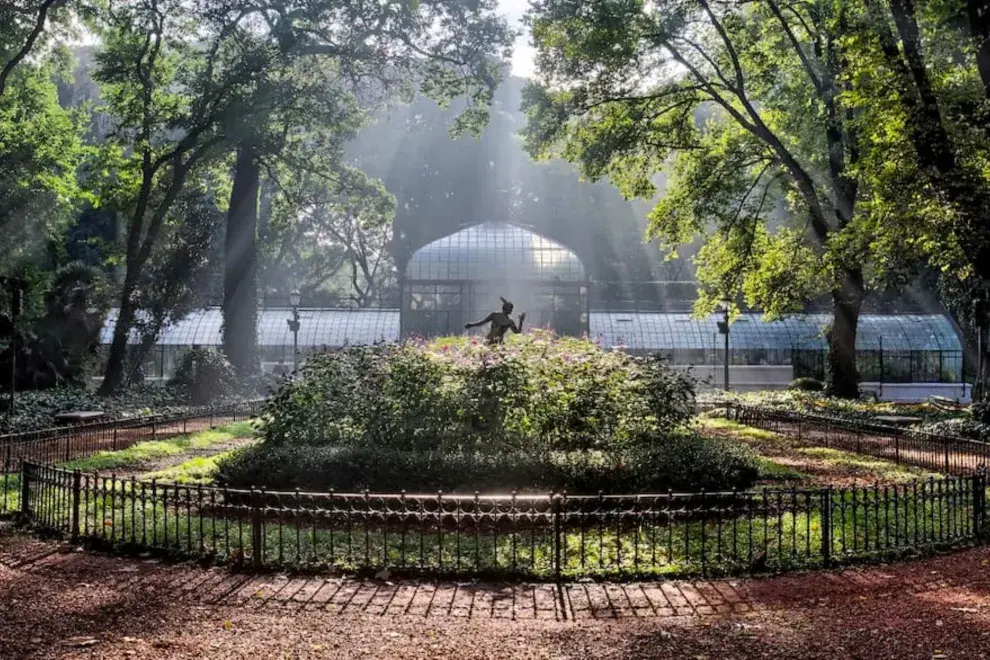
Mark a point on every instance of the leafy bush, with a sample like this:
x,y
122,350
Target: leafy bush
x,y
958,428
806,384
204,375
536,394
682,462
57,341
538,413
980,412
37,409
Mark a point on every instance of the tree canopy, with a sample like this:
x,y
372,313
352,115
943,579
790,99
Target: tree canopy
x,y
772,120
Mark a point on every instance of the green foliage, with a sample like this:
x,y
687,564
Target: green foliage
x,y
55,347
681,462
198,470
726,106
980,412
36,410
536,393
806,384
40,152
537,413
144,452
204,375
957,427
864,409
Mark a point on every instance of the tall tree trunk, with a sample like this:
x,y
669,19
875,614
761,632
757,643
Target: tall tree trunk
x,y
963,188
978,16
842,377
114,373
240,282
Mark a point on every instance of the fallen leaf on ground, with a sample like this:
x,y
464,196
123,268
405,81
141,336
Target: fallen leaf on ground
x,y
81,641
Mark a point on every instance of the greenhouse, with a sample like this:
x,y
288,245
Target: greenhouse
x,y
906,348
460,278
318,329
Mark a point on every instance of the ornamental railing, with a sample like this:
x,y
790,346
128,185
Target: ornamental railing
x,y
941,453
550,536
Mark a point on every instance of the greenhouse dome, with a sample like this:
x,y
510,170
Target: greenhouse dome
x,y
461,278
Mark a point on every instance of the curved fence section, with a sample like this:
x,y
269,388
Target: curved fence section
x,y
64,443
536,536
945,454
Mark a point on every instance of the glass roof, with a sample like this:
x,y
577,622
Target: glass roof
x,y
647,332
494,251
317,327
635,331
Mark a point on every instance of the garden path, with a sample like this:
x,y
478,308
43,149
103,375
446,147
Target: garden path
x,y
66,604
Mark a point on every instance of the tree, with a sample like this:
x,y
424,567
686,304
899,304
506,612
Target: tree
x,y
22,30
626,83
170,95
173,281
40,150
940,157
335,238
446,49
925,108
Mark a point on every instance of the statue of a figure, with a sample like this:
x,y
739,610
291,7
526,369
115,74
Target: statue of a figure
x,y
501,323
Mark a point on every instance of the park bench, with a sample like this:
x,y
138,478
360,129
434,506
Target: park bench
x,y
79,417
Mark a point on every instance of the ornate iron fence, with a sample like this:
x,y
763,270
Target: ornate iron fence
x,y
945,454
64,443
552,536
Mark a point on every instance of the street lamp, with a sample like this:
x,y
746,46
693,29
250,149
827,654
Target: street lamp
x,y
16,288
294,300
723,329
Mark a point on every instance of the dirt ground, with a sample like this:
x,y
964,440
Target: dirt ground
x,y
58,603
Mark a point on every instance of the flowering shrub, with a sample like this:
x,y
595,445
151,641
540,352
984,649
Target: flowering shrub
x,y
538,413
537,393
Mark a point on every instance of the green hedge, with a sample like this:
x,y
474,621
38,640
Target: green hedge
x,y
683,462
539,413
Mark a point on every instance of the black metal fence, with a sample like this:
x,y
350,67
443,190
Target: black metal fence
x,y
64,443
945,454
537,536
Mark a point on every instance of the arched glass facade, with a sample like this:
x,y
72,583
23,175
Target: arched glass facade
x,y
461,277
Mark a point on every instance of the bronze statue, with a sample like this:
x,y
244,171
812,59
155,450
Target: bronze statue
x,y
501,323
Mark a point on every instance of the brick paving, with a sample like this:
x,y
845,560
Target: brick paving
x,y
59,603
218,586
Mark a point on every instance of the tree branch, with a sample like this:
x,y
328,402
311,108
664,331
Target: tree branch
x,y
796,45
19,56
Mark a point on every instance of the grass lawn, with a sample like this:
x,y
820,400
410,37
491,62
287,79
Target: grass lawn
x,y
772,530
788,459
198,470
815,402
156,459
146,453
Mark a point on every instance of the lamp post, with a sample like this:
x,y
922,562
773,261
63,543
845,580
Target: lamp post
x,y
723,329
294,300
16,288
